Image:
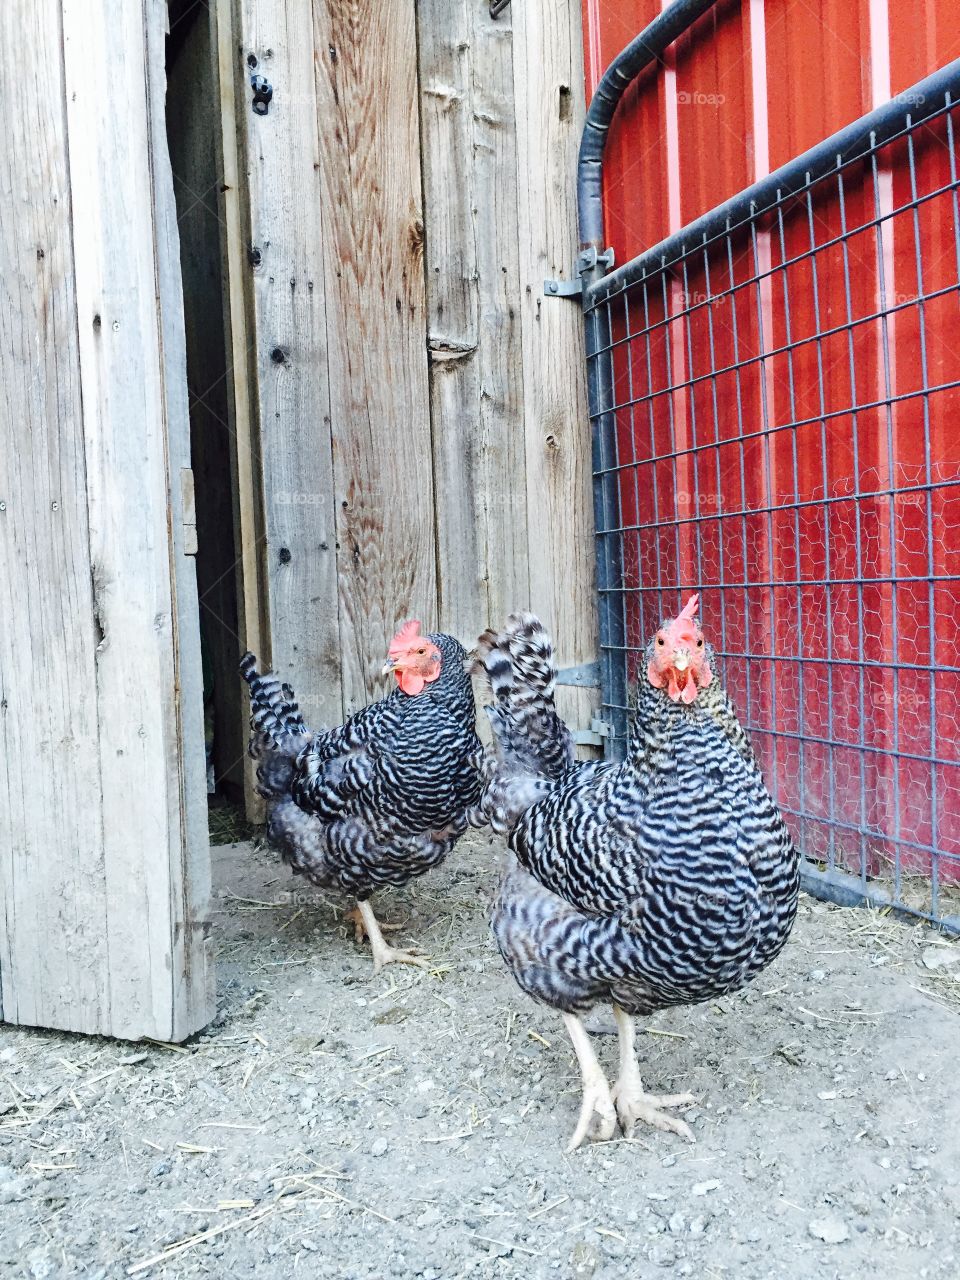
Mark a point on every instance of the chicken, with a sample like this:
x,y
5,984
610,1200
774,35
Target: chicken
x,y
667,879
384,797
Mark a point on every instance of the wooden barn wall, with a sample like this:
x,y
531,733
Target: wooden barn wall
x,y
104,866
410,410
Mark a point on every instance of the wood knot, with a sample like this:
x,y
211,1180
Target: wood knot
x,y
415,237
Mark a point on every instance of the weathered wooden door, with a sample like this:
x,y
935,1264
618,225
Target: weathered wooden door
x,y
412,437
104,864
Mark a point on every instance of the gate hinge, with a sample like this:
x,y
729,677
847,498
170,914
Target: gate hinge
x,y
586,676
586,261
497,7
596,735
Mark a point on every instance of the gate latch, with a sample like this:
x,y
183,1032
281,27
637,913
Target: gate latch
x,y
585,262
497,7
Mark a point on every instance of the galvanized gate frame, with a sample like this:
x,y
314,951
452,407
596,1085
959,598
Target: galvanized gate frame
x,y
598,286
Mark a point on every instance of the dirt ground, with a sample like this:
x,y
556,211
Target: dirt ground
x,y
333,1123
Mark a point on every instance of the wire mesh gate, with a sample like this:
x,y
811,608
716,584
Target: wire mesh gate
x,y
774,395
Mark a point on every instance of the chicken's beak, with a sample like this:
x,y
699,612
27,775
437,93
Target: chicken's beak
x,y
389,667
681,660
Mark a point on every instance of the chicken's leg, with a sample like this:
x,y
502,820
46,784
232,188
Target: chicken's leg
x,y
360,933
383,953
597,1115
632,1103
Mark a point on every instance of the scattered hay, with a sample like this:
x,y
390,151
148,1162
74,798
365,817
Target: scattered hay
x,y
902,945
228,823
908,887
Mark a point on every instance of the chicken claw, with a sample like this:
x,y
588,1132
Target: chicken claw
x,y
383,953
598,1119
632,1102
391,955
633,1105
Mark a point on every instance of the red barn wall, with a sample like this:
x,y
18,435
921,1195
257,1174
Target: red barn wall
x,y
843,527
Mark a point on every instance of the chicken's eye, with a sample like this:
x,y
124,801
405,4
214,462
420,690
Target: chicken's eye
x,y
700,643
421,651
660,640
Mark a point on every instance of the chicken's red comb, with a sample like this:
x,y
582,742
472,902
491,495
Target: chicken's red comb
x,y
405,637
689,610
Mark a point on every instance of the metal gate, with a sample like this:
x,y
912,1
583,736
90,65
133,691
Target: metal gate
x,y
774,406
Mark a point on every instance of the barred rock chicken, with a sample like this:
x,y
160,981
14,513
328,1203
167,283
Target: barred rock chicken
x,y
384,797
665,880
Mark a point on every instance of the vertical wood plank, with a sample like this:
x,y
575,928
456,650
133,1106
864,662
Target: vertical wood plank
x,y
468,127
120,364
368,126
104,864
246,473
548,80
288,229
193,995
120,273
53,943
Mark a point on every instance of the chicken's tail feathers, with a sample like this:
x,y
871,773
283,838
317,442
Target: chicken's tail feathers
x,y
277,730
292,710
530,739
518,661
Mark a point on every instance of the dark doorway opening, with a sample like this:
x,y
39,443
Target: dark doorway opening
x,y
193,132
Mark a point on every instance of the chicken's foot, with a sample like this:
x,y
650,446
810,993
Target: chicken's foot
x,y
632,1102
598,1119
383,953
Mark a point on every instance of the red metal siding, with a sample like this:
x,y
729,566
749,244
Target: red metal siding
x,y
825,517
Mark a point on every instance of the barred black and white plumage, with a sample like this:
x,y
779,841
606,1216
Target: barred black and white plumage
x,y
382,798
533,748
667,879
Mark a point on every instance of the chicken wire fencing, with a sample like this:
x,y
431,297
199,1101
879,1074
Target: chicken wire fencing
x,y
774,396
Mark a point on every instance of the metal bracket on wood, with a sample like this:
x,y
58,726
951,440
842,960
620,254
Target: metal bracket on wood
x,y
585,262
563,288
497,7
586,676
596,735
262,94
